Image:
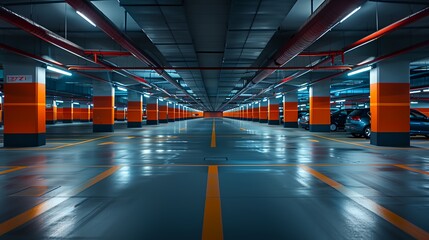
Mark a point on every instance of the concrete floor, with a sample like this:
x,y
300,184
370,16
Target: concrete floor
x,y
212,178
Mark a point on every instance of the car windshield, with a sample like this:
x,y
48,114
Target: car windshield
x,y
417,115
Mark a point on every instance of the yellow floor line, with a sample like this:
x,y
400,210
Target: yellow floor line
x,y
213,142
11,170
372,206
82,142
212,225
43,207
411,169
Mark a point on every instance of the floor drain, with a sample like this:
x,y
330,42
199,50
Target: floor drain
x,y
215,158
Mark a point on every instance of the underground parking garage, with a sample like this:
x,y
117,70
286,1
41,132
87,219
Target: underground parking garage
x,y
214,119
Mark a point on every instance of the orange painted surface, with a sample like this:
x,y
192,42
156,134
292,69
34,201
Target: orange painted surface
x,y
51,114
85,114
120,115
263,112
290,111
255,113
163,112
425,111
68,113
152,111
273,112
320,110
104,112
60,114
1,113
135,112
91,114
171,113
177,114
212,114
25,107
390,106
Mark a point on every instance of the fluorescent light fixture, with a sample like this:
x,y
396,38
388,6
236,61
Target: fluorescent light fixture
x,y
146,95
170,103
414,102
86,18
227,98
122,89
302,105
302,89
75,103
342,100
416,91
264,100
361,105
331,102
246,94
338,106
160,99
92,105
59,101
350,14
57,70
279,96
365,69
426,90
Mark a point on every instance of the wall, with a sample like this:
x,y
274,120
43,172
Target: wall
x,y
213,114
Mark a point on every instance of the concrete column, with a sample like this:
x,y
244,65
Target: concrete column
x,y
290,110
177,112
273,111
68,111
25,106
390,104
320,106
171,112
85,112
263,111
1,110
152,111
163,111
255,112
51,111
120,113
104,102
135,110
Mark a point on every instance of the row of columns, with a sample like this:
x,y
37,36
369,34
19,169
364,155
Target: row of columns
x,y
389,106
28,110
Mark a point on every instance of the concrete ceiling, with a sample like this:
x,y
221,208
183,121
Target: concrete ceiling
x,y
191,35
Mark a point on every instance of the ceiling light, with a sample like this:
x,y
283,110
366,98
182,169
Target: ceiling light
x,y
264,100
59,101
279,96
246,95
302,89
75,103
122,89
57,70
365,69
414,102
342,100
353,12
426,90
86,18
416,91
146,95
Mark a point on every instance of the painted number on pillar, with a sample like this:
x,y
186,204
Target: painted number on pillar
x,y
19,78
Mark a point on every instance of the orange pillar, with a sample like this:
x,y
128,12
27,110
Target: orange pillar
x,y
163,111
25,118
51,111
1,111
320,114
152,111
120,113
273,111
255,112
176,112
135,110
290,110
171,112
68,112
263,111
85,112
390,104
104,112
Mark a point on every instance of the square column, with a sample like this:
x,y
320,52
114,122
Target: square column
x,y
84,112
152,111
1,111
176,112
163,111
171,112
255,112
135,110
120,114
273,111
25,106
104,112
263,111
320,107
390,104
68,112
290,110
51,111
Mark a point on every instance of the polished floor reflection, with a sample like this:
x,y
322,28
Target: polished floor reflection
x,y
212,179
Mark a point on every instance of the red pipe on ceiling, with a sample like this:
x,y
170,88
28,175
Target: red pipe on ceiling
x,y
106,53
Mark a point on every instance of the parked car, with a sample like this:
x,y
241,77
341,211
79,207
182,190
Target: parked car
x,y
338,119
358,123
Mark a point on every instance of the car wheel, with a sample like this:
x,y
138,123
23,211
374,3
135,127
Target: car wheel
x,y
427,136
367,132
356,135
333,127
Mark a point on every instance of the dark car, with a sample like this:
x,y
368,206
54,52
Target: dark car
x,y
303,121
338,119
358,123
